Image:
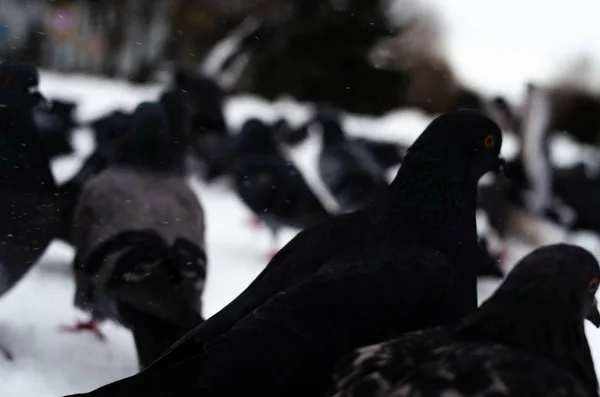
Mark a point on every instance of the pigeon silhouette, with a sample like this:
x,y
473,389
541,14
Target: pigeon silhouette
x,y
528,339
270,185
352,174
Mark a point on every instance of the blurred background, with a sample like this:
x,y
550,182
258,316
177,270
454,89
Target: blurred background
x,y
385,67
398,49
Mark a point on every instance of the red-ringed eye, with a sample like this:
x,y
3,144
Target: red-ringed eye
x,y
489,141
593,285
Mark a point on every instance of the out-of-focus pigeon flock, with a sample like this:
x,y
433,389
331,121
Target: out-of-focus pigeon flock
x,y
388,267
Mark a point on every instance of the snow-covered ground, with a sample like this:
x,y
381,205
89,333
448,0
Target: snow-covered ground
x,y
51,363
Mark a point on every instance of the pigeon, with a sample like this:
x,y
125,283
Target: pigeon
x,y
566,194
30,214
576,111
55,124
138,230
29,204
70,191
528,339
347,168
403,264
110,128
387,154
208,127
270,185
289,135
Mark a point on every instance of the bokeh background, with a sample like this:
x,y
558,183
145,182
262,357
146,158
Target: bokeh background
x,y
389,66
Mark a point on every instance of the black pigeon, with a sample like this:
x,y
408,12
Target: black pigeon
x,y
566,194
138,230
55,125
29,204
108,131
209,130
110,128
349,170
71,190
528,339
285,133
30,214
387,154
406,263
269,184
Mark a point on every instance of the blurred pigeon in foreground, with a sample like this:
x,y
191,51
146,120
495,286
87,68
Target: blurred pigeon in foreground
x,y
55,125
29,203
528,339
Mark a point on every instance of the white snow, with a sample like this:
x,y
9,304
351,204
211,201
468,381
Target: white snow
x,y
495,45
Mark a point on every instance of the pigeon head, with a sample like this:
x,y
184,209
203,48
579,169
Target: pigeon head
x,y
205,99
435,190
148,144
108,130
19,85
256,137
541,308
468,138
178,114
563,276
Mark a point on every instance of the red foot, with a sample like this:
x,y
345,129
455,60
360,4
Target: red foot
x,y
92,326
255,223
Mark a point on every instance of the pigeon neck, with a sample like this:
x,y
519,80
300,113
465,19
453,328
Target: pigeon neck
x,y
433,195
162,157
23,161
333,137
541,329
433,198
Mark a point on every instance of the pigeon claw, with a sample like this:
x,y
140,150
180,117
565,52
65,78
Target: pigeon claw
x,y
92,326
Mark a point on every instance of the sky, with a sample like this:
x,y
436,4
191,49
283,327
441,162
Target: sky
x,y
499,44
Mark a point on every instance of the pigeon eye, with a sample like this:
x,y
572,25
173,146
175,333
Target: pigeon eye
x,y
9,80
593,285
489,141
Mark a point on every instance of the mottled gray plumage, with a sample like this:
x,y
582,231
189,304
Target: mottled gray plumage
x,y
120,199
528,339
134,194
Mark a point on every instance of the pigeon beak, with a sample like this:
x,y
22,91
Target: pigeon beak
x,y
594,316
